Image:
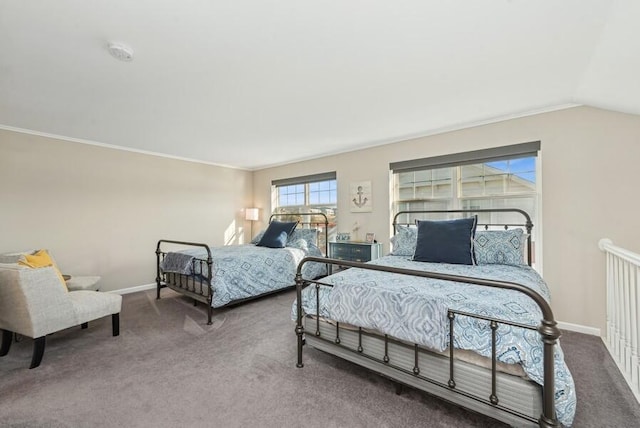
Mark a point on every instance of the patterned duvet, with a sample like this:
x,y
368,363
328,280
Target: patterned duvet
x,y
242,271
415,309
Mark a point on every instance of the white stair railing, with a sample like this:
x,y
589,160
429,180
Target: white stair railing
x,y
623,305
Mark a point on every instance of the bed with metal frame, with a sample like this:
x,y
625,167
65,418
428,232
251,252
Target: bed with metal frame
x,y
513,399
199,287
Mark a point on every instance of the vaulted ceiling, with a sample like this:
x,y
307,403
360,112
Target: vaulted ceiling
x,y
255,83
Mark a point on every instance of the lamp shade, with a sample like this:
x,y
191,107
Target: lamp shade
x,y
251,214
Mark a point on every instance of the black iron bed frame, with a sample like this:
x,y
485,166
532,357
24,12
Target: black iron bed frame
x,y
547,329
199,287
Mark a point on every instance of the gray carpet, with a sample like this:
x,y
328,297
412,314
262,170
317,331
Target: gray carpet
x,y
169,369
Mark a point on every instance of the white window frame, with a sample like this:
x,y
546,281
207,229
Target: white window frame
x,y
307,193
307,207
455,200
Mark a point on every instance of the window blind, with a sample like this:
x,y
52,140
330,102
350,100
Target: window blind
x,y
313,178
465,158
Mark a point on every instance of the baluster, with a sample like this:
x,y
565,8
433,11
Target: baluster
x,y
618,309
633,299
610,300
626,283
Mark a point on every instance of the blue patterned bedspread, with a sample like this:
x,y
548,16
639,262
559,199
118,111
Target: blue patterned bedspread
x,y
242,271
415,309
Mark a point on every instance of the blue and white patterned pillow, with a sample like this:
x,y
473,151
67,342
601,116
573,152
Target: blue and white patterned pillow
x,y
301,244
404,241
504,247
309,235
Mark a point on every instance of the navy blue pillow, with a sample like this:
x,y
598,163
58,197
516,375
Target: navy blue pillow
x,y
449,241
276,234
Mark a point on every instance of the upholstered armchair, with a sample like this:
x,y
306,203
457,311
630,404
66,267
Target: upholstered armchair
x,y
34,303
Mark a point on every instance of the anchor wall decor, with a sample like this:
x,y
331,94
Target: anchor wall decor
x,y
361,197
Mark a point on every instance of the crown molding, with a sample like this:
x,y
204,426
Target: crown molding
x,y
114,147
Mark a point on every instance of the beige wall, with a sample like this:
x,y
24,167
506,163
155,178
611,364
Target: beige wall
x,y
101,211
589,161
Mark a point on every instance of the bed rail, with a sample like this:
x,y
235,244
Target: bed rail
x,y
623,312
547,329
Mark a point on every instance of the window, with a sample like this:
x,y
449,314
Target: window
x,y
291,195
504,177
309,194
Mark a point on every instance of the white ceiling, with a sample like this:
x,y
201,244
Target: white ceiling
x,y
255,83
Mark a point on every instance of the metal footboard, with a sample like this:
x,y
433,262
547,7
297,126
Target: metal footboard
x,y
196,286
547,329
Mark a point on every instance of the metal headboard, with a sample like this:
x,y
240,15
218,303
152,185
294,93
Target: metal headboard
x,y
526,223
299,216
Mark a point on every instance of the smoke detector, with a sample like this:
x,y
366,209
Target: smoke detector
x,y
120,51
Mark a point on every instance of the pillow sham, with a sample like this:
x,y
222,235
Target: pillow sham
x,y
404,241
309,235
504,247
301,244
448,241
277,234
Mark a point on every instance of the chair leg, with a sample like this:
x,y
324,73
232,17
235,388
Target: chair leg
x,y
7,337
84,325
38,351
115,324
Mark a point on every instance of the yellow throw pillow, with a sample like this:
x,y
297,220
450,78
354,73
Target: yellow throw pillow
x,y
41,258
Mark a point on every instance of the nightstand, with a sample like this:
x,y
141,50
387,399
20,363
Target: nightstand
x,y
355,251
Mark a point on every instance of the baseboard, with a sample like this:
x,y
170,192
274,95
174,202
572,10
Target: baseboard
x,y
579,328
135,289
